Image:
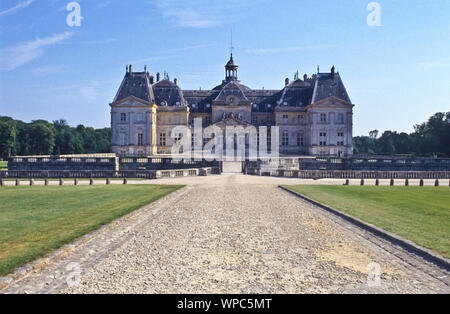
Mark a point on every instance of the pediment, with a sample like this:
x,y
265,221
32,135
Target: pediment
x,y
231,121
131,101
331,101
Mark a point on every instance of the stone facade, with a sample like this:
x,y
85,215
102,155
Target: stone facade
x,y
314,114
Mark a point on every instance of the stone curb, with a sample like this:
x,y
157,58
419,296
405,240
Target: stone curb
x,y
60,253
408,245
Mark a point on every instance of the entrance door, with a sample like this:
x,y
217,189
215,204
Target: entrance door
x,y
231,166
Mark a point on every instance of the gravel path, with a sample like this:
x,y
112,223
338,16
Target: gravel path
x,y
229,234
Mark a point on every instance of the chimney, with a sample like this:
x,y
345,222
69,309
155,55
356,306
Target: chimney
x,y
286,81
131,68
127,68
158,76
175,81
333,69
152,80
305,77
145,68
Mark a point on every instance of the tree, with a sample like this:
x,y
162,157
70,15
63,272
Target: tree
x,y
7,138
42,138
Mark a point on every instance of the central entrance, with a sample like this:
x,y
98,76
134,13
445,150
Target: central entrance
x,y
231,167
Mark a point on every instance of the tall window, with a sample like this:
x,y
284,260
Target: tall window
x,y
193,141
300,141
323,117
162,139
340,134
122,139
123,117
285,139
140,139
340,118
285,118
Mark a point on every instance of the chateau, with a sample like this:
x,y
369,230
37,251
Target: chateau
x,y
314,113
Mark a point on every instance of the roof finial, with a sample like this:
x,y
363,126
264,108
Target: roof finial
x,y
318,69
231,44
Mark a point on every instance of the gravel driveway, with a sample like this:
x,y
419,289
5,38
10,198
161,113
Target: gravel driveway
x,y
233,234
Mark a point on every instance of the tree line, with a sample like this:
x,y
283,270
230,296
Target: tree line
x,y
41,137
429,139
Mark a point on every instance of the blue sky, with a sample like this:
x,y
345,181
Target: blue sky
x,y
397,75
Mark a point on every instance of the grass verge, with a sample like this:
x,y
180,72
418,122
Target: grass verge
x,y
37,220
420,214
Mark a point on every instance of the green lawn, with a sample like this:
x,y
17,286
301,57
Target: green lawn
x,y
37,220
420,214
3,165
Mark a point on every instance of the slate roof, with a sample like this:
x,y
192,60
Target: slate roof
x,y
136,84
231,88
328,85
168,94
299,93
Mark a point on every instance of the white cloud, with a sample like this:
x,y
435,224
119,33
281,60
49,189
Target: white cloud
x,y
202,13
49,69
99,41
436,64
16,56
21,5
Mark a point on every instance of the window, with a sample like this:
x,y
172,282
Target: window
x,y
340,143
340,118
122,139
323,117
285,139
300,141
300,118
323,143
140,139
123,117
140,117
285,118
323,134
193,141
255,120
162,139
340,134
